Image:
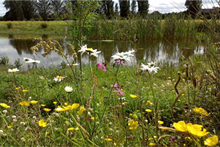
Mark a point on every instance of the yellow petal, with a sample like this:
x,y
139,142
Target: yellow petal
x,y
211,141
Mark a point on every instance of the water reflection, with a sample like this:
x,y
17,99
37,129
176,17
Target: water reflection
x,y
162,51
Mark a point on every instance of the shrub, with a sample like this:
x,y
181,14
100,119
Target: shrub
x,y
17,63
43,25
9,25
4,60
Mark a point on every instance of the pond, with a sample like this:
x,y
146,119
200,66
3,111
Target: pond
x,y
159,51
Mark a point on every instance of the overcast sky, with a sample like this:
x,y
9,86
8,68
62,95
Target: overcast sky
x,y
163,6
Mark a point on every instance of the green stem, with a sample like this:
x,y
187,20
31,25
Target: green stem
x,y
155,104
69,139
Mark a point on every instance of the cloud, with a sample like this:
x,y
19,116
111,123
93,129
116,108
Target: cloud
x,y
2,8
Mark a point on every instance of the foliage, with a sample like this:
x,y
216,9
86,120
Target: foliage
x,y
9,25
4,60
43,25
116,105
17,63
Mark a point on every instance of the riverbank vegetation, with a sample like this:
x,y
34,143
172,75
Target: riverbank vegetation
x,y
133,29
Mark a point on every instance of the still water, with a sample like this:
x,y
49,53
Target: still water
x,y
159,51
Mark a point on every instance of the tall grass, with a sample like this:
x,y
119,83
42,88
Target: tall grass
x,y
130,29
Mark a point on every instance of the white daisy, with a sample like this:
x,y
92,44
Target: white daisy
x,y
13,70
83,49
68,89
58,78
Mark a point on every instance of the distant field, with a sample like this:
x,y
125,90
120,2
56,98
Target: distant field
x,y
33,27
136,29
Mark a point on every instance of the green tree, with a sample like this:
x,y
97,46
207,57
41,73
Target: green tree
x,y
44,8
29,9
116,8
133,6
58,7
193,7
19,10
143,6
124,8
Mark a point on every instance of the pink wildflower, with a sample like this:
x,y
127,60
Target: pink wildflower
x,y
119,92
115,85
118,61
101,66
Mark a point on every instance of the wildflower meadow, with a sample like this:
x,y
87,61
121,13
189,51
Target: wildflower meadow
x,y
110,104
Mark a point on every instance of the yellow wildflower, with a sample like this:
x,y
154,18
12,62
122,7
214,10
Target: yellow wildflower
x,y
92,118
211,141
81,110
148,103
150,139
108,139
152,144
54,103
77,129
66,104
43,105
132,124
9,127
160,122
24,90
42,123
34,102
4,105
196,130
133,96
17,88
25,103
70,129
67,108
47,109
180,126
148,110
201,111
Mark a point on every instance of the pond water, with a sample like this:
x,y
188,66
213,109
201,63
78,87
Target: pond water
x,y
159,51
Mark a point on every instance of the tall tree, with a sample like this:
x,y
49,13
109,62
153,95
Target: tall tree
x,y
124,8
193,7
19,10
143,6
29,9
58,7
106,7
116,8
133,6
44,8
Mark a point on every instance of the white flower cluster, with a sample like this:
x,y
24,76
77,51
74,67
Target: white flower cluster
x,y
124,56
150,67
93,52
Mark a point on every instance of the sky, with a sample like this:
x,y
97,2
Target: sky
x,y
163,6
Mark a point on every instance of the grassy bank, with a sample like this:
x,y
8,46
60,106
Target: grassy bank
x,y
134,29
33,27
111,105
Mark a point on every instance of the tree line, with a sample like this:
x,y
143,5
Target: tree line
x,y
61,9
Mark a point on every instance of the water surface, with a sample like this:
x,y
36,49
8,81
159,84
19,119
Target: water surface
x,y
159,51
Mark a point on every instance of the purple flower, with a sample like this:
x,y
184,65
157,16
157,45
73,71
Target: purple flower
x,y
118,61
115,85
101,66
119,92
